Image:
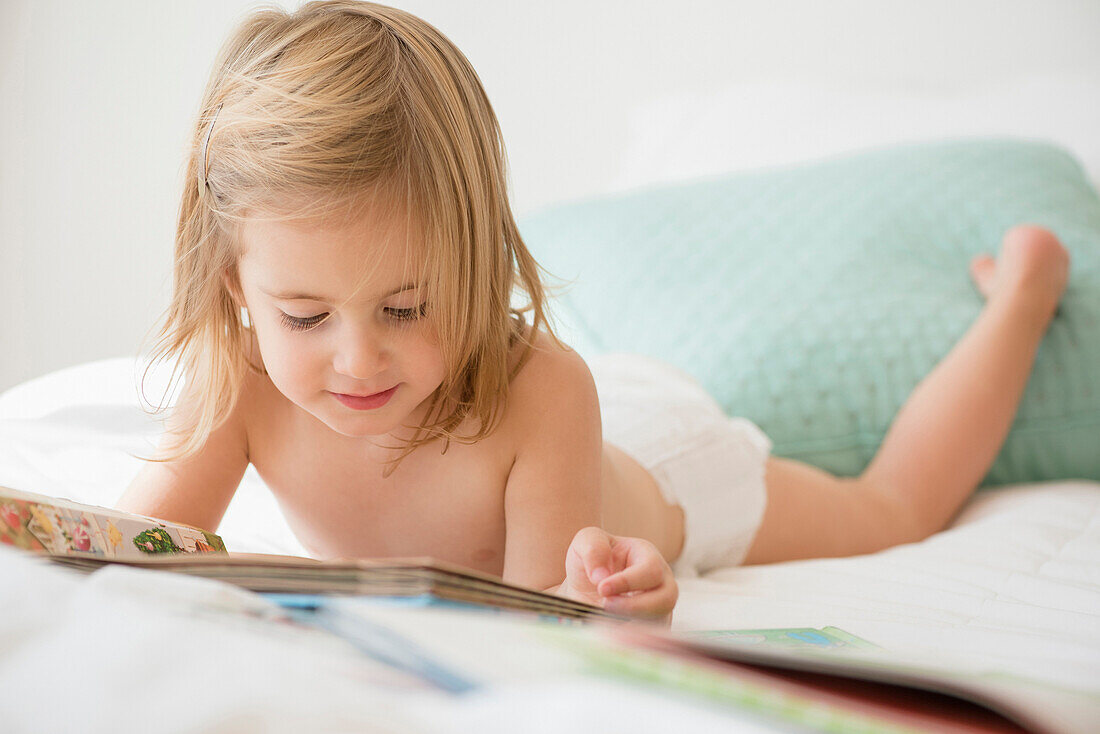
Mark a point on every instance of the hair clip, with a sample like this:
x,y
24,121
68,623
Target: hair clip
x,y
206,145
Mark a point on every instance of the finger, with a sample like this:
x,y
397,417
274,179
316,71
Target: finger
x,y
645,563
620,552
653,604
591,549
641,576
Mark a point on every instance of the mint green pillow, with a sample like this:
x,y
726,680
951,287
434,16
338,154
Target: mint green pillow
x,y
812,299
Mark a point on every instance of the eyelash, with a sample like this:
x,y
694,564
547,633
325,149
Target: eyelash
x,y
397,314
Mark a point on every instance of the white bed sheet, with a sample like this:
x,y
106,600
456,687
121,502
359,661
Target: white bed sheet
x,y
1013,586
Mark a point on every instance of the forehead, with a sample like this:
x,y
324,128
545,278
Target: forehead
x,y
336,256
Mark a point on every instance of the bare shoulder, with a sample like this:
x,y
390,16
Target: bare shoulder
x,y
553,381
195,489
251,402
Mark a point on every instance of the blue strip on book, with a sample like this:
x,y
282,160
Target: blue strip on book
x,y
318,601
323,601
373,640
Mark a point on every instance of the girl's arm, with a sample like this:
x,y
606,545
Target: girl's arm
x,y
552,500
197,490
553,487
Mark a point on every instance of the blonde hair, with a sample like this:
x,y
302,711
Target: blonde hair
x,y
313,108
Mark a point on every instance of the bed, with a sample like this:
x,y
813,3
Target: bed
x,y
1013,585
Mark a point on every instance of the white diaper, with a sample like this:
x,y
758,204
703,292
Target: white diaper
x,y
706,462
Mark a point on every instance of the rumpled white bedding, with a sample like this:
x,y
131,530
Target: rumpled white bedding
x,y
1013,585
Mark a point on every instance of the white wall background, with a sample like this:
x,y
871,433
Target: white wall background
x,y
592,96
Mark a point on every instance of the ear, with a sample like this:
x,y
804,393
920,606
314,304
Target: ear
x,y
233,286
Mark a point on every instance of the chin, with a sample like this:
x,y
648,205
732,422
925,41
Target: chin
x,y
359,426
347,422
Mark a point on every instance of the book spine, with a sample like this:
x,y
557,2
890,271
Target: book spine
x,y
68,529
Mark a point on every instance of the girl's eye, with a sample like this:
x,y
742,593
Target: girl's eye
x,y
295,323
408,314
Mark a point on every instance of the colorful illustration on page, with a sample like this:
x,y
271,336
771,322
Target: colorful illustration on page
x,y
14,517
45,525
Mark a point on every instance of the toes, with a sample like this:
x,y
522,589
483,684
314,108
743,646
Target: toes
x,y
1033,241
1032,259
1030,233
983,265
982,269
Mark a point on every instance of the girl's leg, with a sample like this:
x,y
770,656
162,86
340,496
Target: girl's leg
x,y
946,435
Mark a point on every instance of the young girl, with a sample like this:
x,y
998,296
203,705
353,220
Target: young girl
x,y
345,267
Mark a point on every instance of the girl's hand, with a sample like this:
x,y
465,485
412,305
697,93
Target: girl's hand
x,y
625,576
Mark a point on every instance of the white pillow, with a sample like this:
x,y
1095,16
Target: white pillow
x,y
770,123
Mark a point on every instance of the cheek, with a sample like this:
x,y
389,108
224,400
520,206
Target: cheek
x,y
291,360
424,357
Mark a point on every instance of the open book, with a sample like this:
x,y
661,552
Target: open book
x,y
88,537
945,692
796,673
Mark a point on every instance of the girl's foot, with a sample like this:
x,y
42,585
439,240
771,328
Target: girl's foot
x,y
1032,265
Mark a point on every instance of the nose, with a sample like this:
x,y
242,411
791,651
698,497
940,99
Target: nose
x,y
360,354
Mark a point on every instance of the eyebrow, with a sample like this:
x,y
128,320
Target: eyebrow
x,y
297,296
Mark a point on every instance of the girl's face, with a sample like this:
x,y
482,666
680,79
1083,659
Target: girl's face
x,y
338,313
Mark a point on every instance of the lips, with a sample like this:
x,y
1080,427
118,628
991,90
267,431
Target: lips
x,y
366,402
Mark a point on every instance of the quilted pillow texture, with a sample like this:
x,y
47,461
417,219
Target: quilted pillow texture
x,y
812,299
